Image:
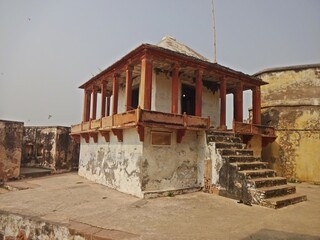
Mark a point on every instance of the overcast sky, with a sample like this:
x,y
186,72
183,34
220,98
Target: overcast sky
x,y
49,48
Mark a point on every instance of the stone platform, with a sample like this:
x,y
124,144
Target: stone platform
x,y
67,206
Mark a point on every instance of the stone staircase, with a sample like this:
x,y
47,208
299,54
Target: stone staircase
x,y
242,174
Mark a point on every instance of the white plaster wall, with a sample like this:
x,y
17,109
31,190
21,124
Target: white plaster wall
x,y
217,162
211,106
173,167
114,164
163,93
122,99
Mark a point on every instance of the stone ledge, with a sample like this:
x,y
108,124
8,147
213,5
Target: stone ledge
x,y
169,192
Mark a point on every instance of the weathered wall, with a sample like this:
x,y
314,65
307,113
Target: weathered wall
x,y
291,103
163,93
13,226
211,106
173,167
10,149
114,164
217,163
42,141
50,147
67,150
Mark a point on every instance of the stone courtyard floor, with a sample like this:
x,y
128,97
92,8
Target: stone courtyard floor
x,y
70,200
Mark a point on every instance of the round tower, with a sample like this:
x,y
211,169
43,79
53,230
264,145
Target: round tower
x,y
291,104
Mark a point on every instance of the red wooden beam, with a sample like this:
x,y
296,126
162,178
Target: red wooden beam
x,y
119,134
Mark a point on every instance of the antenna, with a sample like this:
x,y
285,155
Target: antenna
x,y
214,35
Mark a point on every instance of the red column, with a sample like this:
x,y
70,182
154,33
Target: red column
x,y
115,91
94,102
103,99
256,105
238,103
108,106
175,88
223,102
86,105
146,83
129,88
198,110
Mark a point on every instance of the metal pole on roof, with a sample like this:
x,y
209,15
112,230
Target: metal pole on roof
x,y
214,35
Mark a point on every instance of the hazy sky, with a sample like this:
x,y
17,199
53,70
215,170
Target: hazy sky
x,y
49,48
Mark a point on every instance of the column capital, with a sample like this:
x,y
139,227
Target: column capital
x,y
129,67
199,72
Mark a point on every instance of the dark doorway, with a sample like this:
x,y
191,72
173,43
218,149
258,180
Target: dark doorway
x,y
188,97
135,98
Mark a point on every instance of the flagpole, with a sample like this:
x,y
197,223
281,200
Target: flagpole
x,y
214,35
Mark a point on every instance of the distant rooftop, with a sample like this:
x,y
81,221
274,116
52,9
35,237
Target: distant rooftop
x,y
287,68
172,44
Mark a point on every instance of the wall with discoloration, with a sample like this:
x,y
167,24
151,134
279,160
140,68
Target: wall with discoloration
x,y
49,147
114,164
177,166
291,103
163,97
211,106
10,149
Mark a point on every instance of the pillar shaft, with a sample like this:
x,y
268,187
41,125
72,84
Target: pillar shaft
x,y
238,103
256,105
223,102
175,88
94,103
129,88
86,105
115,92
103,99
146,83
198,110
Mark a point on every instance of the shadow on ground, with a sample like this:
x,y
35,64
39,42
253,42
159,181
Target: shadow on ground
x,y
269,234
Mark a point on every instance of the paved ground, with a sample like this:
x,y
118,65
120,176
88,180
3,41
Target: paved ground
x,y
68,197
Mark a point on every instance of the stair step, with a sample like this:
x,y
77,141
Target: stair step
x,y
227,145
250,165
250,174
275,191
237,152
278,202
268,182
219,138
238,159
